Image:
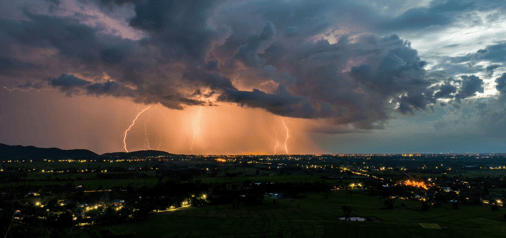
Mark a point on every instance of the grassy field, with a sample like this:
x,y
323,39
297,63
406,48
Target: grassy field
x,y
67,165
92,184
484,173
316,216
279,179
89,181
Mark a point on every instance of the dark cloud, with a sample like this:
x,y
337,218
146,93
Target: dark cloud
x,y
112,56
290,31
192,49
274,53
118,2
56,2
68,83
445,91
501,84
248,53
13,67
181,27
399,71
281,103
211,80
439,13
360,96
107,88
490,70
474,63
470,86
212,65
494,53
407,104
451,46
333,129
72,39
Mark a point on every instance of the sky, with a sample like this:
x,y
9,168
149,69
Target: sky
x,y
254,77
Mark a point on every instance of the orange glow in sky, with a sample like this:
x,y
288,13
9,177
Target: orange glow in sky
x,y
196,126
223,128
277,143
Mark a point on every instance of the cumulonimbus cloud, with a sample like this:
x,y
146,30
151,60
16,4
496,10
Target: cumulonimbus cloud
x,y
195,47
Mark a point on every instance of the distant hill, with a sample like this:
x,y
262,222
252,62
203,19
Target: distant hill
x,y
139,154
18,152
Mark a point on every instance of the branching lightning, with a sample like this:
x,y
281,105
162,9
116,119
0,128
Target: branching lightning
x,y
146,143
287,136
277,143
130,127
26,90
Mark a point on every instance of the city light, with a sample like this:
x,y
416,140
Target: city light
x,y
416,184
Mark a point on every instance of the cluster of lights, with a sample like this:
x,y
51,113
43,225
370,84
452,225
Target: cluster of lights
x,y
355,185
412,183
88,208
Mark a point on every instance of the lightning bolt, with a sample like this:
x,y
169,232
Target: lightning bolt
x,y
287,135
130,127
26,90
146,131
277,143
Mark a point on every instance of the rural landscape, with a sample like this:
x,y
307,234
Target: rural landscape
x,y
57,193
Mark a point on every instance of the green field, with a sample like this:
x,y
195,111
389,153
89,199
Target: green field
x,y
315,216
91,181
88,180
278,179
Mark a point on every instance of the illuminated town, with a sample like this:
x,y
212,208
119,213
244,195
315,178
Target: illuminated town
x,y
135,187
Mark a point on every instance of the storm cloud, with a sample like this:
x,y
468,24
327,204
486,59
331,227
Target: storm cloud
x,y
470,86
287,58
